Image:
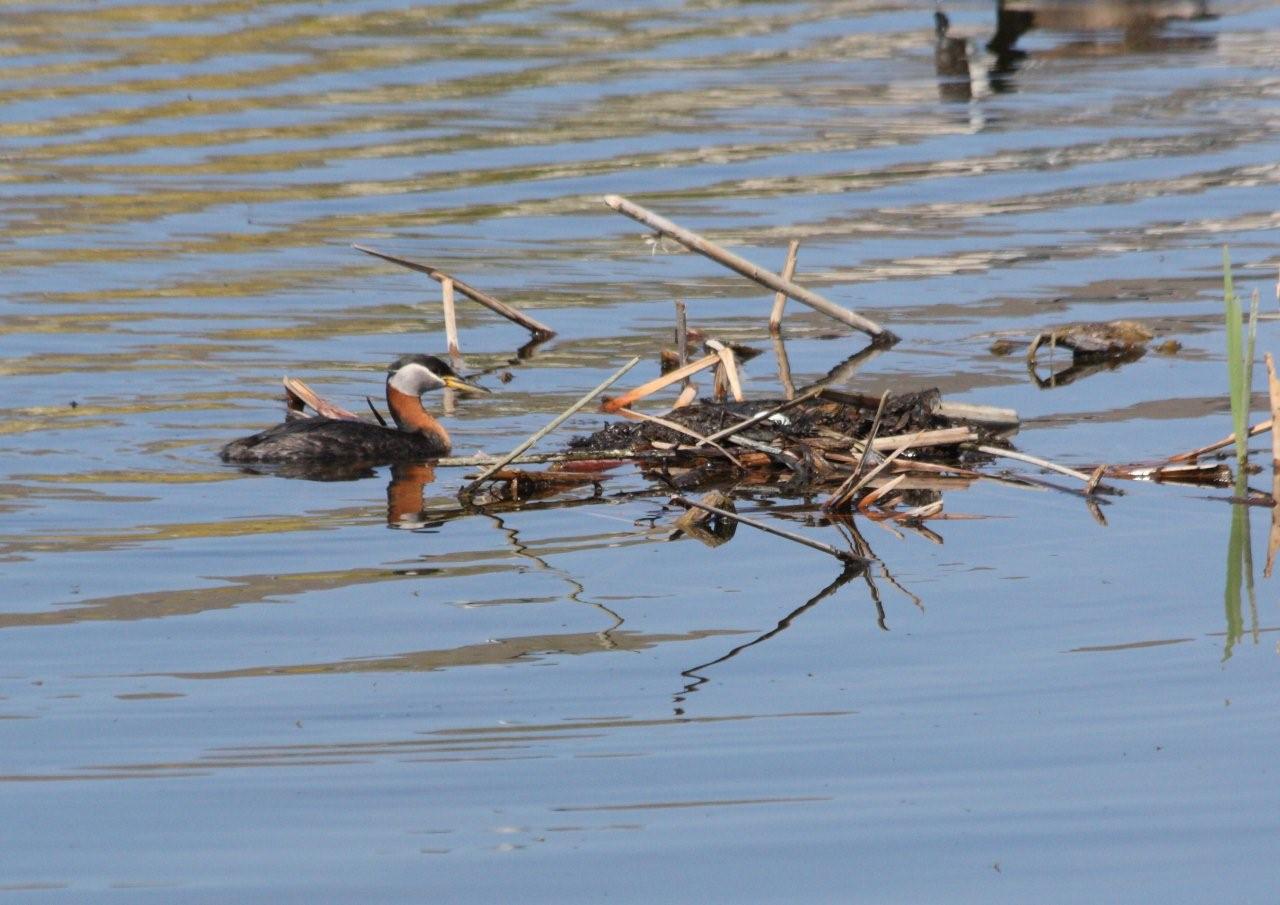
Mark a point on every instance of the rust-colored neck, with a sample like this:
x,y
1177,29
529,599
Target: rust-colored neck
x,y
412,418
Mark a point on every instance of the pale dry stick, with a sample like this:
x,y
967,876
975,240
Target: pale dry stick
x,y
760,416
552,425
537,328
1273,389
1033,460
658,383
730,363
687,395
784,366
945,436
780,299
765,278
843,555
1226,441
681,429
450,323
484,459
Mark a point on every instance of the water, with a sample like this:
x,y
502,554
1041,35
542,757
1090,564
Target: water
x,y
227,686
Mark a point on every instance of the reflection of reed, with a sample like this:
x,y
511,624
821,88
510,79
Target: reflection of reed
x,y
693,672
1239,570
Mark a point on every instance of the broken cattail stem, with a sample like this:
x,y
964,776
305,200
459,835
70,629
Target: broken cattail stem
x,y
687,395
882,491
730,363
658,383
537,328
780,299
843,555
709,249
556,422
450,323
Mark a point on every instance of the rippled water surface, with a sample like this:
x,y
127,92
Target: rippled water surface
x,y
219,686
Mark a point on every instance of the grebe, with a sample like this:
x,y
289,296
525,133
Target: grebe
x,y
416,436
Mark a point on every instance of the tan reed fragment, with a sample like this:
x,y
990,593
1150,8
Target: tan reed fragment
x,y
883,490
944,436
730,363
537,328
705,247
658,383
450,323
1034,460
780,298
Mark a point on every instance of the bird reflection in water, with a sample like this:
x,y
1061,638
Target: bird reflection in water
x,y
967,69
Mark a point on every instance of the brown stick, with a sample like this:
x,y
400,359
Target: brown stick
x,y
780,299
658,383
843,555
450,322
552,425
537,328
682,334
694,242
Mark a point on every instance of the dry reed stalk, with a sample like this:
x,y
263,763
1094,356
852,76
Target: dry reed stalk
x,y
1226,441
765,278
552,425
945,436
682,335
484,459
730,363
1034,460
1273,390
843,555
687,395
450,323
780,298
1094,480
843,495
658,383
537,328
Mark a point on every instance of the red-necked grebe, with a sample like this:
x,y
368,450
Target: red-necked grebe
x,y
416,436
